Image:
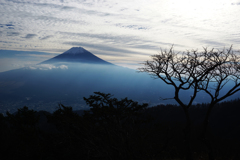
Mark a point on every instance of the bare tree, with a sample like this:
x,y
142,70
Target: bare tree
x,y
208,71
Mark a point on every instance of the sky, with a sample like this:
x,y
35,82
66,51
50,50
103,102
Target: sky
x,y
122,32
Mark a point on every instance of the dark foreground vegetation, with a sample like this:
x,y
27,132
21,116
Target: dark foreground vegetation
x,y
119,129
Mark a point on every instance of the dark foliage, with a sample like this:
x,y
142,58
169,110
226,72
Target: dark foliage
x,y
118,129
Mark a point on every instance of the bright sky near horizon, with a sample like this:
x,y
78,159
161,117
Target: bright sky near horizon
x,y
123,32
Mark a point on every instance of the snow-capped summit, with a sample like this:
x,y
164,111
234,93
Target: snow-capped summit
x,y
77,54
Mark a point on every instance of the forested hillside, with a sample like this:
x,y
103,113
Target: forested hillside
x,y
118,129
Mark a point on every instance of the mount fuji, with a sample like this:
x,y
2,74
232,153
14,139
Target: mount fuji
x,y
78,55
75,74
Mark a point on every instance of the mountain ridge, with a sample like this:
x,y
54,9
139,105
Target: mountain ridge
x,y
76,54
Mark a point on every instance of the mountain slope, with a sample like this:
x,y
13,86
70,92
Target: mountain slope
x,y
76,54
43,86
75,74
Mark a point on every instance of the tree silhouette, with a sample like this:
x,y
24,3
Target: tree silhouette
x,y
109,130
23,118
208,71
105,108
117,123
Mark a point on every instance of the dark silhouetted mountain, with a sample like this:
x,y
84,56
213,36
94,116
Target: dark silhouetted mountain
x,y
77,54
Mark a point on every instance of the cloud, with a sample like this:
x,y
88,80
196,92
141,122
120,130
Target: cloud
x,y
57,20
46,67
30,36
13,34
7,42
38,55
131,41
236,3
63,67
126,28
10,59
23,54
213,43
136,27
121,51
10,63
9,25
46,37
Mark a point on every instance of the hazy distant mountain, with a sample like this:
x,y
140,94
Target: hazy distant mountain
x,y
75,74
69,77
77,54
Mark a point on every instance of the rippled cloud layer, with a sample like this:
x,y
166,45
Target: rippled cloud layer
x,y
124,32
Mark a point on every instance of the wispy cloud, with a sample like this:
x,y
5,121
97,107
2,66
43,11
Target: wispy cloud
x,y
118,28
237,3
102,48
46,67
136,27
9,25
30,36
13,33
10,59
46,37
105,38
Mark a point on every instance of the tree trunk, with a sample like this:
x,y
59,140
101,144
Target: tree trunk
x,y
187,134
204,138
